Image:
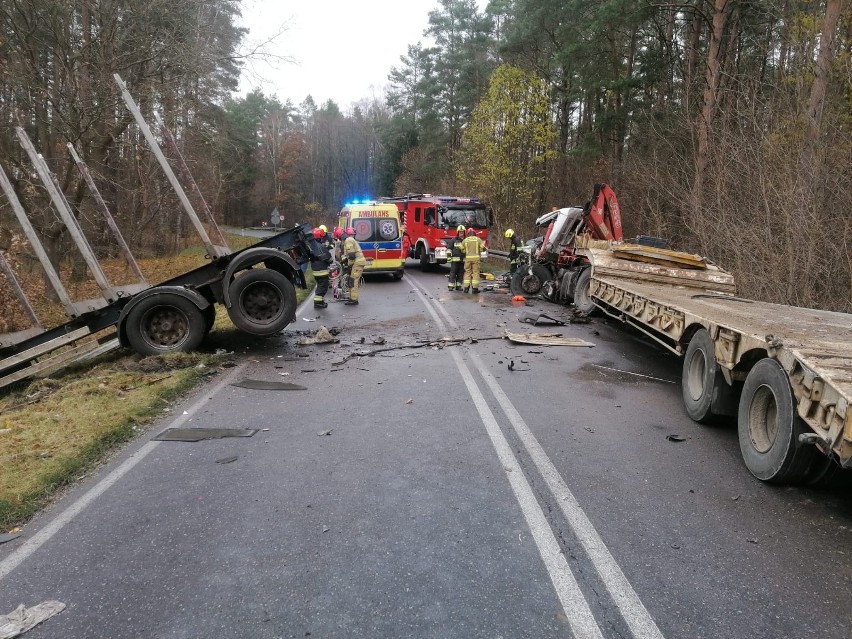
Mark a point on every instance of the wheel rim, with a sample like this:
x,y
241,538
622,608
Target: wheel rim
x,y
262,302
531,284
695,375
165,326
763,419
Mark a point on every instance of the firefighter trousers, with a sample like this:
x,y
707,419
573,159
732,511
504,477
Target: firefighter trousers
x,y
471,273
456,275
355,280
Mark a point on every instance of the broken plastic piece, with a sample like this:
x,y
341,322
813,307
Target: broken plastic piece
x,y
539,318
22,619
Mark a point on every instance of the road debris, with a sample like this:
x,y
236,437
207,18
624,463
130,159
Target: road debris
x,y
409,401
546,340
516,370
325,433
618,370
9,536
199,434
259,384
433,344
227,460
322,336
22,619
675,438
536,319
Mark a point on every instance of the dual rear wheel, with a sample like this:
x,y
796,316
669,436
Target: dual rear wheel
x,y
768,425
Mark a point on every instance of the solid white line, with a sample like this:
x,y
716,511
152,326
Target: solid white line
x,y
577,610
631,607
40,538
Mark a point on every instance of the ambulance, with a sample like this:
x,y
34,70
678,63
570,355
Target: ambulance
x,y
379,232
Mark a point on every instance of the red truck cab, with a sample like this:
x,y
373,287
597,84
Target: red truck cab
x,y
430,221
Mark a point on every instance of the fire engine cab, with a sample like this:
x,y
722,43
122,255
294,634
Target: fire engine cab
x,y
430,221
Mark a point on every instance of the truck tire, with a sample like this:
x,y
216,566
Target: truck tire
x,y
701,378
582,296
397,275
769,427
165,323
528,281
263,301
424,259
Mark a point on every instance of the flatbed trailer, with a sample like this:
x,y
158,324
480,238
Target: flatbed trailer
x,y
785,372
256,284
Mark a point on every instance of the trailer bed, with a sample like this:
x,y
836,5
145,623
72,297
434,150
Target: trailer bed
x,y
813,346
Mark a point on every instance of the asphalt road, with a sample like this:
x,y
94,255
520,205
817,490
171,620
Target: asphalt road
x,y
432,492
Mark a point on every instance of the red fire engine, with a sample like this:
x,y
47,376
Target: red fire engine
x,y
431,220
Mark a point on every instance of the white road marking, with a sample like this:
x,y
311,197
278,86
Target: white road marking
x,y
58,523
577,611
631,607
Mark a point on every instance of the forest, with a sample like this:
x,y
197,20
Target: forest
x,y
724,126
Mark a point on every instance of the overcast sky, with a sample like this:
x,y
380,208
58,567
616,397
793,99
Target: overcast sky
x,y
341,49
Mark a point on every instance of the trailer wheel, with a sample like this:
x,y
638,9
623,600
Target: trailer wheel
x,y
165,323
263,301
769,427
529,280
582,295
700,378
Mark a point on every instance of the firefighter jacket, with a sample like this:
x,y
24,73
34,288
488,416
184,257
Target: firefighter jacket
x,y
321,259
456,254
472,247
514,245
352,253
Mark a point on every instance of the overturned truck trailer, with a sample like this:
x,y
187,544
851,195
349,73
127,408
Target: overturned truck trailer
x,y
256,284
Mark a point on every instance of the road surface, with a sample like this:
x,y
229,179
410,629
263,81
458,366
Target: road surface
x,y
430,491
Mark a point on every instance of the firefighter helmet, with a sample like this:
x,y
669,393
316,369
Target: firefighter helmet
x,y
509,233
470,232
318,233
460,228
350,231
337,233
323,228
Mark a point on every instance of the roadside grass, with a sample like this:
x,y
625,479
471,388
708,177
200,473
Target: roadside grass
x,y
55,430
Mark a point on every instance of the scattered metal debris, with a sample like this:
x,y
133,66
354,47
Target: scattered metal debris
x,y
227,460
259,384
199,434
325,433
434,344
536,319
618,370
546,340
515,370
675,438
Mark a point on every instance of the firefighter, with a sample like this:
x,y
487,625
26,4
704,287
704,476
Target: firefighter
x,y
326,240
319,265
514,250
354,262
472,247
456,260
